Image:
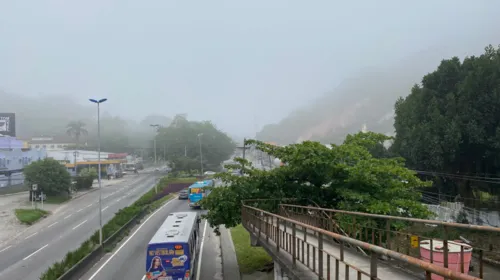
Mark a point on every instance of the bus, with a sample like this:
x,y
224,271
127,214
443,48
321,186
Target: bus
x,y
198,191
173,251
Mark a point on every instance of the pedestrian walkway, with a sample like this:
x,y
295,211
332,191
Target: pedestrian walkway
x,y
230,268
337,261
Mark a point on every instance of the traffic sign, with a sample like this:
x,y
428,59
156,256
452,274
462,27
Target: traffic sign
x,y
34,187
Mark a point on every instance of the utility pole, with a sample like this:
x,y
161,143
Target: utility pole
x,y
157,126
201,154
75,154
165,152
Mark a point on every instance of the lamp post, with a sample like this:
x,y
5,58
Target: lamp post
x,y
98,102
157,126
201,154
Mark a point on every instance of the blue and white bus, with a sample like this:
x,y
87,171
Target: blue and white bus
x,y
173,250
198,191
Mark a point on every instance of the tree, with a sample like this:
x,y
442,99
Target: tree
x,y
51,176
451,122
76,129
344,177
182,140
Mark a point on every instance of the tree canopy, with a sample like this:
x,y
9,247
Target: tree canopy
x,y
181,141
451,122
345,177
51,176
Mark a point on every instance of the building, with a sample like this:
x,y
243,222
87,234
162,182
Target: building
x,y
13,159
50,143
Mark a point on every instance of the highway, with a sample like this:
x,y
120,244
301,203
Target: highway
x,y
128,261
29,254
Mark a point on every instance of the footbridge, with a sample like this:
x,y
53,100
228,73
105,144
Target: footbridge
x,y
308,242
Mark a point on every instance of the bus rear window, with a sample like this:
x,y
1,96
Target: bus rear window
x,y
196,190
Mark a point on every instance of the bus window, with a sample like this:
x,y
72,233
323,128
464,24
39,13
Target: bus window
x,y
195,190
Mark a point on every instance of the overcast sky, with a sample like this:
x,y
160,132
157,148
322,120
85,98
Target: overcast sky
x,y
241,64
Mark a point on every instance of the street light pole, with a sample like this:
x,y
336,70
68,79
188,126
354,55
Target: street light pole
x,y
201,154
98,102
157,126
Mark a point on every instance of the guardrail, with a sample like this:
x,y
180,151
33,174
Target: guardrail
x,y
268,226
404,234
80,268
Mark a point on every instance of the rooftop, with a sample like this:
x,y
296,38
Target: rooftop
x,y
176,228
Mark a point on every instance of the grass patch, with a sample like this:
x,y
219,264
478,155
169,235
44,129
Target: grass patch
x,y
250,259
56,199
30,216
159,202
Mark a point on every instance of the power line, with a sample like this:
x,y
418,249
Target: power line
x,y
460,177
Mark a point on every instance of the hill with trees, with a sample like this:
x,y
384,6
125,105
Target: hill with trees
x,y
188,144
450,123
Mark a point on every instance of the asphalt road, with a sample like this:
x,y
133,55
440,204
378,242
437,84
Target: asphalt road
x,y
128,261
28,255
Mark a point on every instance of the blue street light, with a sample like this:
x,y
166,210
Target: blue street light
x,y
98,102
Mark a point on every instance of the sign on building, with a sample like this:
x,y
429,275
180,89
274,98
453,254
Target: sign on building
x,y
8,124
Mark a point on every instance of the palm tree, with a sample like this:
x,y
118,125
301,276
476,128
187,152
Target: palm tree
x,y
76,129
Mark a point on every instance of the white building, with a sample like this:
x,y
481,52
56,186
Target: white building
x,y
50,143
81,155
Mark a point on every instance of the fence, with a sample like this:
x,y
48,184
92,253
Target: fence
x,y
285,234
402,234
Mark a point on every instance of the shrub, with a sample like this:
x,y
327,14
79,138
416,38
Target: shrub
x,y
86,178
51,176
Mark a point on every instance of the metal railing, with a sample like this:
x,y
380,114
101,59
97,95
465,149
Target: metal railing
x,y
291,236
404,235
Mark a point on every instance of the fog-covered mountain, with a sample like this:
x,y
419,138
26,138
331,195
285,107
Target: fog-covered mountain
x,y
367,98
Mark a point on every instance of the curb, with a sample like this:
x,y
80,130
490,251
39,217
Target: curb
x,y
11,194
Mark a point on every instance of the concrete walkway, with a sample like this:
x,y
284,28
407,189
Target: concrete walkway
x,y
230,268
307,254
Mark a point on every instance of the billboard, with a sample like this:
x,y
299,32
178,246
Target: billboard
x,y
8,124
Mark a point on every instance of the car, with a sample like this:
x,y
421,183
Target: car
x,y
209,173
183,194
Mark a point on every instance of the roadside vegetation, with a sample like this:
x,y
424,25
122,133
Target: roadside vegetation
x,y
347,177
250,259
147,203
30,216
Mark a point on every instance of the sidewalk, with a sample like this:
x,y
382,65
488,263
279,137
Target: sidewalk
x,y
230,268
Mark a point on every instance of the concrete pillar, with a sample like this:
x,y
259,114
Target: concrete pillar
x,y
279,274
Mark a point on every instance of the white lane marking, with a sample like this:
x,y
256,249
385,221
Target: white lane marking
x,y
68,216
198,270
88,205
79,224
5,248
29,236
105,208
119,199
31,255
79,210
52,224
128,239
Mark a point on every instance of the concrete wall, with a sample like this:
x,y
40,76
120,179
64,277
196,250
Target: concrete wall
x,y
10,143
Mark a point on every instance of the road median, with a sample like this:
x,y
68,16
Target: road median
x,y
80,260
